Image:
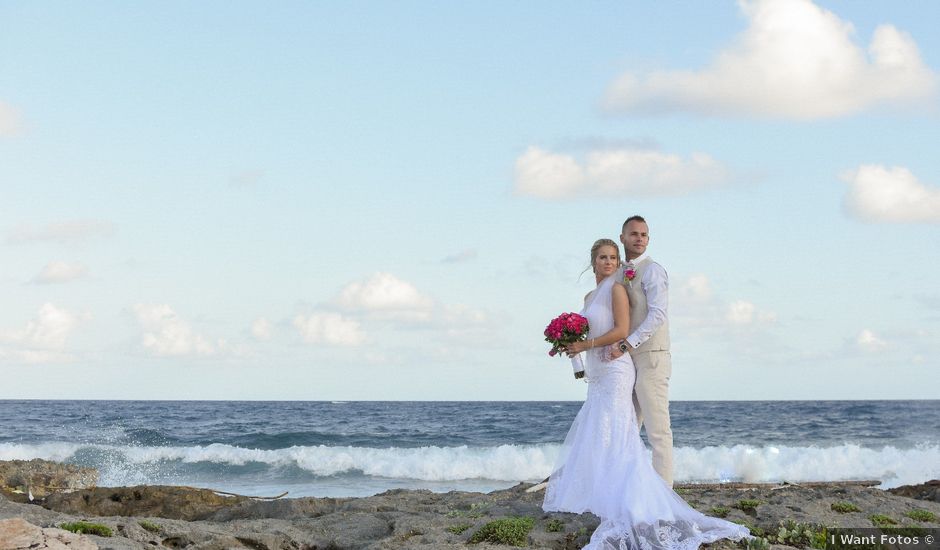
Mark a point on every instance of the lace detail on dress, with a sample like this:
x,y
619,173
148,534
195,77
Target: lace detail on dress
x,y
678,535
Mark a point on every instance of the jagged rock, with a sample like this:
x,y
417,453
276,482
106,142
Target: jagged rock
x,y
41,477
184,503
924,491
17,533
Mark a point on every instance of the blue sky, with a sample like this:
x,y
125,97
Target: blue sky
x,y
311,201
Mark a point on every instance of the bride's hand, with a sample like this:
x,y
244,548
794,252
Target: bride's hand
x,y
576,347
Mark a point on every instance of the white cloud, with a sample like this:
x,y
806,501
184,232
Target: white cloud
x,y
165,333
261,329
695,306
870,342
742,312
10,121
879,194
387,296
61,232
60,272
795,60
329,328
615,172
43,339
696,288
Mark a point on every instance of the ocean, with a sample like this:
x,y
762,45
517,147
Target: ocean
x,y
344,449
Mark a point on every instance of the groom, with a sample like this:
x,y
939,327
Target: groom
x,y
648,342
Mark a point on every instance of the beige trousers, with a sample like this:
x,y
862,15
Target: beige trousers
x,y
651,399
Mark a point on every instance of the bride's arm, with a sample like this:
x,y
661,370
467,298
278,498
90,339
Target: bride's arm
x,y
621,306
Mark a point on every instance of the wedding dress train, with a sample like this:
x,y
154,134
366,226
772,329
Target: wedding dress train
x,y
604,467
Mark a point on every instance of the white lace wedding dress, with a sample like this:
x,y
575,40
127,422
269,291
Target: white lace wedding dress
x,y
604,468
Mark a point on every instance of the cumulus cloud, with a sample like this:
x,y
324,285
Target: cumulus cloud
x,y
870,342
695,305
696,288
10,120
66,232
384,295
742,312
60,272
44,337
167,334
894,195
615,172
262,329
794,60
329,328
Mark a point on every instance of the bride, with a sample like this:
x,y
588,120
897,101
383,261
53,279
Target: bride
x,y
603,467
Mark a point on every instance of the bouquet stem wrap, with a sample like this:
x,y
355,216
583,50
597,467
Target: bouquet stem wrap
x,y
578,365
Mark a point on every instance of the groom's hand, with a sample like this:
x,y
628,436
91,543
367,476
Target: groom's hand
x,y
613,351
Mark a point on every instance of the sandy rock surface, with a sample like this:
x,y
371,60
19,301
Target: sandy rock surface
x,y
42,477
18,534
151,517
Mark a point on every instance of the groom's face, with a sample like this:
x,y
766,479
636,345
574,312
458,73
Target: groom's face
x,y
635,238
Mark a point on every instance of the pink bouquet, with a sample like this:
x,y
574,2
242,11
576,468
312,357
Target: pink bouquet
x,y
564,330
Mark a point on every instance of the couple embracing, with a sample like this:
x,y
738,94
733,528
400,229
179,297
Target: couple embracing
x,y
603,467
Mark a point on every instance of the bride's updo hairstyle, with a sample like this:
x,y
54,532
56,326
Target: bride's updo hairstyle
x,y
597,246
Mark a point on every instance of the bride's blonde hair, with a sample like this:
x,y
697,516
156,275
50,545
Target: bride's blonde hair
x,y
597,246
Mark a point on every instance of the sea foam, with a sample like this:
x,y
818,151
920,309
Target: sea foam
x,y
120,465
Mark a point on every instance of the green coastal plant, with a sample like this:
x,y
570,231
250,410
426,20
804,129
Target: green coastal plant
x,y
86,528
754,529
513,531
149,526
748,504
459,528
922,515
800,535
881,520
720,511
844,507
758,543
477,510
554,526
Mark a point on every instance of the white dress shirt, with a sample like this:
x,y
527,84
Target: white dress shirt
x,y
655,285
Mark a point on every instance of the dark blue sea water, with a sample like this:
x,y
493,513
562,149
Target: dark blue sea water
x,y
361,448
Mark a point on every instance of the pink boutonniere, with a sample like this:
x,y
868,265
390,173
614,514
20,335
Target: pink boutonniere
x,y
629,273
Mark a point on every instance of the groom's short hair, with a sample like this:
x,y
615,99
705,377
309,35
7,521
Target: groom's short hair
x,y
634,218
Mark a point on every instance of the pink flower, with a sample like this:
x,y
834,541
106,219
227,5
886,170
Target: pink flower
x,y
629,273
564,330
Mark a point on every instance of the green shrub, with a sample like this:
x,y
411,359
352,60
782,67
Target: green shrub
x,y
922,515
754,529
555,526
86,528
881,520
512,531
748,504
720,511
758,543
477,510
459,528
149,526
799,535
844,507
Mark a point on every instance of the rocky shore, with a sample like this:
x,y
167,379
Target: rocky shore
x,y
180,517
